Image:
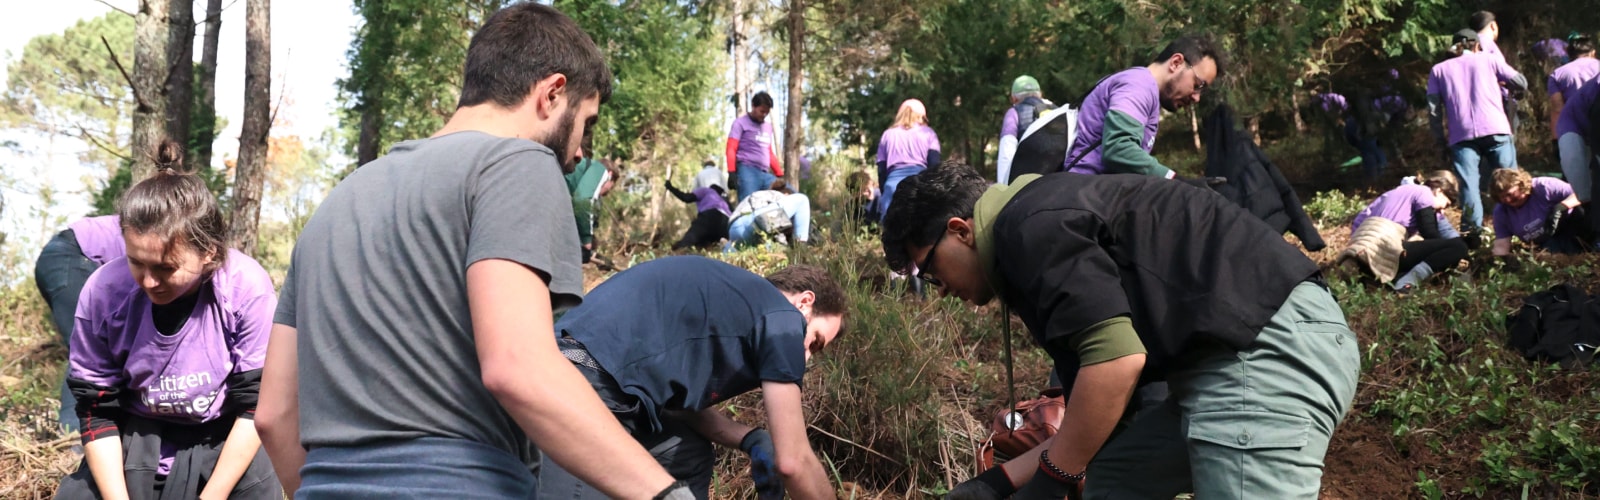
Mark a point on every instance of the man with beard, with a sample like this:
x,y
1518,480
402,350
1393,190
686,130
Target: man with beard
x,y
418,305
1118,122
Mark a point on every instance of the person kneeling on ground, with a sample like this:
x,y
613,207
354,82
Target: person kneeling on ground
x,y
167,354
1124,278
775,211
1378,236
697,332
864,195
1541,211
711,219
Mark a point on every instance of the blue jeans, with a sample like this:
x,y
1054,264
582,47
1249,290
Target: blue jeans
x,y
753,178
742,230
1469,156
1575,163
429,467
60,273
891,183
1373,159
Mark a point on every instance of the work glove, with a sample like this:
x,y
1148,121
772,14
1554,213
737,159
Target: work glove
x,y
1511,263
678,490
1473,238
1553,221
992,484
763,464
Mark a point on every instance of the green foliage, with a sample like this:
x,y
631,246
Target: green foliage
x,y
1333,208
66,84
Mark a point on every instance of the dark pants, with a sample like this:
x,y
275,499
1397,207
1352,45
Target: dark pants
x,y
198,448
1373,159
708,228
1440,254
1573,235
60,274
685,454
429,467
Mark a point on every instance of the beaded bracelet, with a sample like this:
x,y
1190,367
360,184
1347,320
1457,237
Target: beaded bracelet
x,y
1056,472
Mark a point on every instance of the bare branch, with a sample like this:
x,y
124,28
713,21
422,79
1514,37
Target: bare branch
x,y
115,8
136,97
84,133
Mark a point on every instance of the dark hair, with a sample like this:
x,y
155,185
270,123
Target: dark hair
x,y
1444,181
922,205
175,205
761,99
1194,48
830,299
1480,20
525,43
1579,45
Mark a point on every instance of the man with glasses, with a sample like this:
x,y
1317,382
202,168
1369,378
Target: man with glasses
x,y
1118,122
1123,279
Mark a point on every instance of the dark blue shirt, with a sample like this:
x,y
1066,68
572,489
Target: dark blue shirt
x,y
684,333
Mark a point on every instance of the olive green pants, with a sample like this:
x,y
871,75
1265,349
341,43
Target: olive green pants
x,y
1252,423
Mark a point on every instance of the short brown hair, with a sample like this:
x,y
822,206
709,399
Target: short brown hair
x,y
1444,181
525,43
830,298
176,206
1507,178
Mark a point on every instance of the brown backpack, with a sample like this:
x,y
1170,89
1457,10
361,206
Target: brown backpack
x,y
1013,432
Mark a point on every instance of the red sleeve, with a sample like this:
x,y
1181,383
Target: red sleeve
x,y
733,154
772,157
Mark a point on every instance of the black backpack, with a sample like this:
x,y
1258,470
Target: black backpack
x,y
1560,325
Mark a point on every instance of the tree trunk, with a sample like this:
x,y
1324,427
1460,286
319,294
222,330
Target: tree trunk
x,y
200,157
150,39
1255,129
179,84
741,60
257,122
1299,123
371,126
1194,125
793,130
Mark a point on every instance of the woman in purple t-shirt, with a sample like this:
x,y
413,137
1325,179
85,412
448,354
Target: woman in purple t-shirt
x,y
1538,211
167,353
1417,208
907,148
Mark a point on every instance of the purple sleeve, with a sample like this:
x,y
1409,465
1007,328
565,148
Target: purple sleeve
x,y
1504,71
932,138
1555,190
92,358
737,129
252,327
1551,86
1433,83
1008,125
1137,102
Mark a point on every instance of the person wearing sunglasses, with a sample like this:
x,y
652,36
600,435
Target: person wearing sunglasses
x,y
1117,124
1124,279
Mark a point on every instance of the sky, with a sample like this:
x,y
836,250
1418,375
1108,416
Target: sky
x,y
309,41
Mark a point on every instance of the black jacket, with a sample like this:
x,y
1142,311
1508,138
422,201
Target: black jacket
x,y
1253,181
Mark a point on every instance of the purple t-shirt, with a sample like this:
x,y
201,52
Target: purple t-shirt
x,y
708,199
1331,102
1397,205
1575,113
1008,124
755,142
1469,86
178,378
100,238
901,146
1132,91
1527,221
1572,75
1551,48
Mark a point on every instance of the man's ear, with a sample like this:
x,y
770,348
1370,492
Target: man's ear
x,y
549,94
963,229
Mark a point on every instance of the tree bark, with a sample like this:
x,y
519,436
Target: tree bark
x,y
739,53
371,125
257,122
794,130
150,40
179,84
1194,126
200,157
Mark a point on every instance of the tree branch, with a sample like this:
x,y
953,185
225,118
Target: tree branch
x,y
115,8
136,97
84,133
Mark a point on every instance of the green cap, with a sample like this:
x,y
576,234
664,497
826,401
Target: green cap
x,y
1024,84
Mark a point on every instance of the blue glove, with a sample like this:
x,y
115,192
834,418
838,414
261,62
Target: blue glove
x,y
763,464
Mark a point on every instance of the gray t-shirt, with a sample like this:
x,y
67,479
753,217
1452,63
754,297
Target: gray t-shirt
x,y
377,287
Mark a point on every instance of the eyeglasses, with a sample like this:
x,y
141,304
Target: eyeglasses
x,y
925,269
1199,85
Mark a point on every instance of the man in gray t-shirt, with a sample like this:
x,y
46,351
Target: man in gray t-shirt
x,y
412,355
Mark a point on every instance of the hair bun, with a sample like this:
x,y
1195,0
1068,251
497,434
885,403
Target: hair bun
x,y
169,156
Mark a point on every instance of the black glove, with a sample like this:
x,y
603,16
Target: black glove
x,y
669,185
992,484
1553,221
763,464
1511,263
1473,238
